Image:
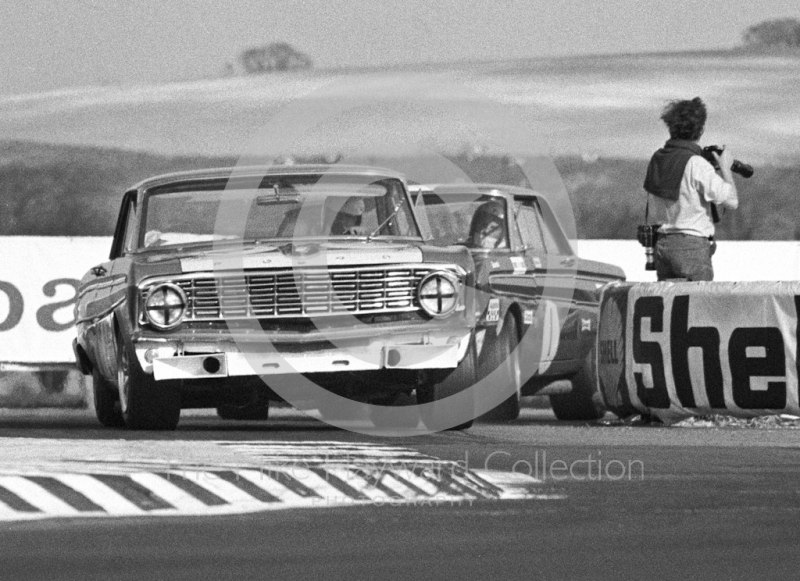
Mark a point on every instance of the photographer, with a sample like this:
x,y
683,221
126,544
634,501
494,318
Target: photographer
x,y
686,189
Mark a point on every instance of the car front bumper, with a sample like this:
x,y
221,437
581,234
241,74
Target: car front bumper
x,y
187,359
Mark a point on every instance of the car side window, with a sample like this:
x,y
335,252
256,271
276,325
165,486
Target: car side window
x,y
540,231
554,239
530,227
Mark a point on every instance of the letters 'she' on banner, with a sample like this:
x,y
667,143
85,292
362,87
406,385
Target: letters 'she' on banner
x,y
686,348
39,278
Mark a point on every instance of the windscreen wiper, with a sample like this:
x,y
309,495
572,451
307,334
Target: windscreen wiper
x,y
387,220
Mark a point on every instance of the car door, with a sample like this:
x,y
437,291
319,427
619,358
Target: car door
x,y
105,285
548,250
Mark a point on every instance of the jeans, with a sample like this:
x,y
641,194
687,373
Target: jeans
x,y
684,256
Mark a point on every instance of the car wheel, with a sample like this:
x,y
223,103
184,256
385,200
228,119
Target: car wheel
x,y
106,401
397,412
146,404
442,384
500,353
242,413
584,402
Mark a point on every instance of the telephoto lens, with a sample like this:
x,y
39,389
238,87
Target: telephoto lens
x,y
743,169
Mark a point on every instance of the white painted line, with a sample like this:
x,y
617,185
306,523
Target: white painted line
x,y
477,490
329,493
177,497
322,451
314,444
8,513
301,475
507,478
37,496
517,486
223,489
263,480
110,500
352,479
420,483
389,480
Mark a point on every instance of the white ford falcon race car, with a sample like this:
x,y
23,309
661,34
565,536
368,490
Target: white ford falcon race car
x,y
225,287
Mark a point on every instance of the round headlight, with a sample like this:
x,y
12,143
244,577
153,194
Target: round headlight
x,y
438,294
165,305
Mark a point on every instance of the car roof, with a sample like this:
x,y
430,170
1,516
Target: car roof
x,y
479,188
265,170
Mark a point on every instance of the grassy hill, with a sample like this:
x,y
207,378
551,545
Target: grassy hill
x,y
69,154
608,201
54,190
606,105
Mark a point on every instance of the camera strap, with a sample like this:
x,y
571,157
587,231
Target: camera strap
x,y
714,213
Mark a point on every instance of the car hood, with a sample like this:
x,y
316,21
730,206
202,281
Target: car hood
x,y
291,256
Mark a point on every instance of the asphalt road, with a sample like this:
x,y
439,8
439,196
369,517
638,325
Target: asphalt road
x,y
617,503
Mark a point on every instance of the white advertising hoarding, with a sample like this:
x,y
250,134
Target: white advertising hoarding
x,y
39,278
734,260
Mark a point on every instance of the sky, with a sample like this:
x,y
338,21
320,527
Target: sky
x,y
55,44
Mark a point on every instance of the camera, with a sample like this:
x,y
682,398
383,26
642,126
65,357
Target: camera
x,y
647,234
743,169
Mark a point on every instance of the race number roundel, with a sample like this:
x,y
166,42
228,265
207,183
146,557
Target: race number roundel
x,y
550,334
611,349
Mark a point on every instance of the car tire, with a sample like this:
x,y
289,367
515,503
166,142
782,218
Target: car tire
x,y
442,384
146,404
106,401
584,402
258,412
500,353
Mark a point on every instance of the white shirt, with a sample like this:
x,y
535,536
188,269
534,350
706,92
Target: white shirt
x,y
691,212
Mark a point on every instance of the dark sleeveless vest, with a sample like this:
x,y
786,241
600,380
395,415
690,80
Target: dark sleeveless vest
x,y
666,168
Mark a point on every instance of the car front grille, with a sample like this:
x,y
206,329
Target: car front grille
x,y
301,293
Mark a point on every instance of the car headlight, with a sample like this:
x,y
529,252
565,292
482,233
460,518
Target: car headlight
x,y
165,305
438,294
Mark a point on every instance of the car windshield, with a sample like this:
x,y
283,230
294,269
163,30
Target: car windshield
x,y
280,208
475,220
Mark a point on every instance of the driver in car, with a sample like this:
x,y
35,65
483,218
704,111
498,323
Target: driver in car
x,y
348,220
488,227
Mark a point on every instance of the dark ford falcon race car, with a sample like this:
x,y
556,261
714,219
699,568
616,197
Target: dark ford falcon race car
x,y
231,288
533,292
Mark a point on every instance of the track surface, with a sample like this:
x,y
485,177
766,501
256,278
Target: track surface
x,y
662,503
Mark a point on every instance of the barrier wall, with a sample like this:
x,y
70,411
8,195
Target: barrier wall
x,y
733,261
678,349
39,277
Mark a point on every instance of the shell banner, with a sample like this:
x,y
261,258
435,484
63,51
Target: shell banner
x,y
676,349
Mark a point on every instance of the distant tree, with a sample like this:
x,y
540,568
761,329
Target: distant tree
x,y
777,33
278,56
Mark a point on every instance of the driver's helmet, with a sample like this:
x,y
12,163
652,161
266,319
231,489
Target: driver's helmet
x,y
488,227
348,217
354,206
